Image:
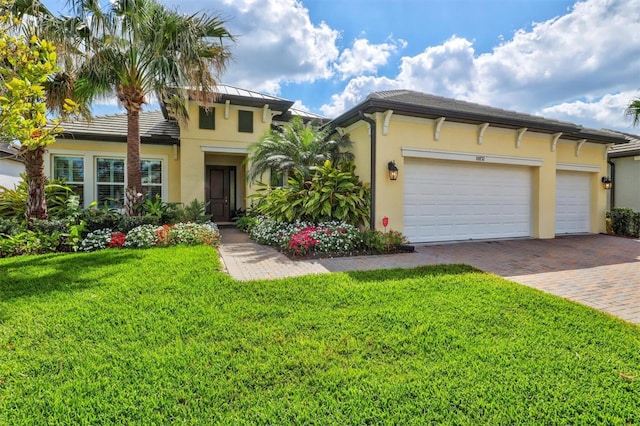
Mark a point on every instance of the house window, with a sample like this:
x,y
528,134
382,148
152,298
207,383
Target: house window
x,y
110,181
245,121
207,118
71,169
151,178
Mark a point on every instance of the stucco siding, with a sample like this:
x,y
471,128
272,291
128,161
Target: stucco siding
x,y
627,182
10,172
89,150
408,136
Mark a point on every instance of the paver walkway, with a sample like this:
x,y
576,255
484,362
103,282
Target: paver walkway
x,y
596,270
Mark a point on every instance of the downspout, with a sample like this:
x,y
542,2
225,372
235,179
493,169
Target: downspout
x,y
612,195
372,123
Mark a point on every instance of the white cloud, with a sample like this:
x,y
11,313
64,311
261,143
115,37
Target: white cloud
x,y
355,92
365,57
606,109
277,43
592,53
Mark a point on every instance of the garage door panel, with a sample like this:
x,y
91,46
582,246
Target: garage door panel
x,y
573,202
458,201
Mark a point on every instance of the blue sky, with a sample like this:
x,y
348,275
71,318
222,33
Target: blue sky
x,y
577,61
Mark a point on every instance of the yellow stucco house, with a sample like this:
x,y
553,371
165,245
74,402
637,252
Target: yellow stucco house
x,y
464,171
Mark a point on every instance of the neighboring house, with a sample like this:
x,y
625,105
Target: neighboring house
x,y
624,169
10,166
466,171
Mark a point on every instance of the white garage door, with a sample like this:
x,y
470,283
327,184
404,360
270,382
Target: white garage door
x,y
573,202
449,201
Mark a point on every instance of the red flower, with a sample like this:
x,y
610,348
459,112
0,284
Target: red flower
x,y
117,239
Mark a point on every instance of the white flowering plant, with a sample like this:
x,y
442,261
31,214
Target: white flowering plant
x,y
141,237
302,238
96,240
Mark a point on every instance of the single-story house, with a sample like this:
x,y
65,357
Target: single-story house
x,y
469,171
11,166
464,171
624,169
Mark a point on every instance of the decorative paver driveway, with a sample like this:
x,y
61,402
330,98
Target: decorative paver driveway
x,y
597,270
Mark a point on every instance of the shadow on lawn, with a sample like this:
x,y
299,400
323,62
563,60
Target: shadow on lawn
x,y
403,273
37,275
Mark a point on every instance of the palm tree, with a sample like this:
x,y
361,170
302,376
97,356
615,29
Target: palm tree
x,y
296,147
134,49
633,111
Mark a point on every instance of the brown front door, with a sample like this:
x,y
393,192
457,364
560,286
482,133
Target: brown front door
x,y
218,191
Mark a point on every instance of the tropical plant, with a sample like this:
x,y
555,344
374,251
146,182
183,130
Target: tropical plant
x,y
59,198
633,111
136,49
297,148
27,63
331,194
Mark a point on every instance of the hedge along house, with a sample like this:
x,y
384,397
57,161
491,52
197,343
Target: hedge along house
x,y
203,160
624,171
467,171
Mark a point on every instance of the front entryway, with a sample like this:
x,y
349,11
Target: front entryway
x,y
220,192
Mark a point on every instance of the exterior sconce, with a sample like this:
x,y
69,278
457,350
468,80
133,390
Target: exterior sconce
x,y
393,170
606,182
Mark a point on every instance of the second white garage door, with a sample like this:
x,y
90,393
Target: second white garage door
x,y
573,202
450,201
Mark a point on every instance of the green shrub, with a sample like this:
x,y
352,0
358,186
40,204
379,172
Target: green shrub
x,y
195,211
332,194
30,242
622,222
246,223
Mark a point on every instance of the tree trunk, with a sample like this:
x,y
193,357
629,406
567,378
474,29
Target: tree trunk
x,y
133,193
36,180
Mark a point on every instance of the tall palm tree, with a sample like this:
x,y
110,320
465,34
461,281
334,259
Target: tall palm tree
x,y
633,111
296,147
134,49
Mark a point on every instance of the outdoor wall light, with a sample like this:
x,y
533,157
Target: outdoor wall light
x,y
606,182
393,170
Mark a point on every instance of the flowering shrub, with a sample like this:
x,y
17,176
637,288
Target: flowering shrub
x,y
151,235
193,234
301,238
96,240
141,236
117,239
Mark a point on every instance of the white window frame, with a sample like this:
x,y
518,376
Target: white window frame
x,y
90,184
72,182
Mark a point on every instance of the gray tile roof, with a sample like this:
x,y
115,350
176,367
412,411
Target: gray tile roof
x,y
630,149
458,106
154,128
9,152
417,104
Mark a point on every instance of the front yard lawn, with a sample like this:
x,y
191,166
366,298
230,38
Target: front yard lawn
x,y
160,336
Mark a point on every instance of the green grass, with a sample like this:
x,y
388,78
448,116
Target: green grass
x,y
160,336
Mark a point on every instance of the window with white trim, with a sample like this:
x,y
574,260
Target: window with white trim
x,y
71,169
110,182
151,178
